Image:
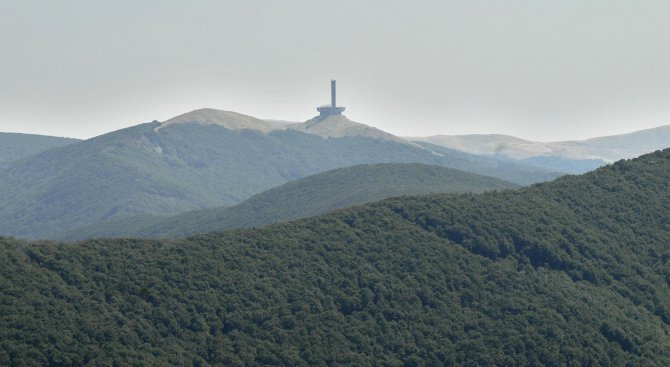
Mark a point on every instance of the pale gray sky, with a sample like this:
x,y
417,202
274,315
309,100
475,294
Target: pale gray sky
x,y
537,69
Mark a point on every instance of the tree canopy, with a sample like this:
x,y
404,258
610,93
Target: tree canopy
x,y
572,272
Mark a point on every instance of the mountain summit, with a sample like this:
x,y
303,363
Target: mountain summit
x,y
227,119
329,126
339,126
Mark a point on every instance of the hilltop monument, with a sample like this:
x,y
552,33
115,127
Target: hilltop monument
x,y
332,109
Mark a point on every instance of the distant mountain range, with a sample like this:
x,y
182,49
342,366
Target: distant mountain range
x,y
202,159
554,163
567,156
301,198
209,158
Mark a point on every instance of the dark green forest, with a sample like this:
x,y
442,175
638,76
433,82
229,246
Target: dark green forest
x,y
568,273
301,198
561,164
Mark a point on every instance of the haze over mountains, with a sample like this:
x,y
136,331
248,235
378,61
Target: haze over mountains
x,y
209,158
605,149
571,272
301,198
177,235
198,160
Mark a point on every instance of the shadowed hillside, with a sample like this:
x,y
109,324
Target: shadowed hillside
x,y
302,198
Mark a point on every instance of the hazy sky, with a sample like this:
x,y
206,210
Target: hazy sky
x,y
537,69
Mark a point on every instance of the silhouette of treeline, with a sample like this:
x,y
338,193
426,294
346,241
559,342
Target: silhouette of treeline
x,y
568,273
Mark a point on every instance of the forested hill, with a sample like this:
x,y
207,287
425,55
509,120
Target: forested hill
x,y
14,146
570,273
301,198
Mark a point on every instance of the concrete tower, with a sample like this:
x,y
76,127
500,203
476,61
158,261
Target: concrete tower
x,y
332,109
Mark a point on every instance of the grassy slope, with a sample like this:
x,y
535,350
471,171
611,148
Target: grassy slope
x,y
139,170
576,152
302,198
626,145
573,272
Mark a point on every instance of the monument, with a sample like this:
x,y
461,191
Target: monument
x,y
332,109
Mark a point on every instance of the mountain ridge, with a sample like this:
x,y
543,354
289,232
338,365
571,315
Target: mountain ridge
x,y
606,148
331,126
339,126
157,168
14,146
227,119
